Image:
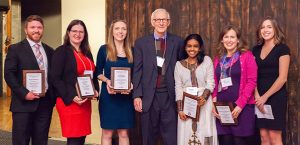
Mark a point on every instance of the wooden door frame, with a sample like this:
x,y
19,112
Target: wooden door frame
x,y
8,40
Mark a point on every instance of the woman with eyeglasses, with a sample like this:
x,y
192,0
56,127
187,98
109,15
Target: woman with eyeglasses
x,y
69,61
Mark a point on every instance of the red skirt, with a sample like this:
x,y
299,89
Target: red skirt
x,y
75,119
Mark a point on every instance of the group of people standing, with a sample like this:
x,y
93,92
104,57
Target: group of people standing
x,y
163,67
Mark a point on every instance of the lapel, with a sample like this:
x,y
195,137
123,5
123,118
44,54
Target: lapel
x,y
73,62
48,54
169,50
28,54
150,46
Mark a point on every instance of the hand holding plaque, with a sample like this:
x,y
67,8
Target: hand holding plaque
x,y
34,81
190,106
121,79
109,88
85,87
224,110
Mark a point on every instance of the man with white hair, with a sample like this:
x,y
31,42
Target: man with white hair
x,y
155,57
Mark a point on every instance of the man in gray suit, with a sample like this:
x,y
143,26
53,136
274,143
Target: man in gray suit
x,y
155,57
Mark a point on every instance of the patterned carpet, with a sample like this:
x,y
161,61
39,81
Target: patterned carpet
x,y
5,139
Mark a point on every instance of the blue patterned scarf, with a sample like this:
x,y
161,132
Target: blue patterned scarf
x,y
227,64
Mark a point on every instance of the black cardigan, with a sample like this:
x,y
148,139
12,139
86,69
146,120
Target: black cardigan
x,y
64,72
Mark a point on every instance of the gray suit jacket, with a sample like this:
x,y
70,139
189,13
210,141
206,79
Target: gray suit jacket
x,y
145,67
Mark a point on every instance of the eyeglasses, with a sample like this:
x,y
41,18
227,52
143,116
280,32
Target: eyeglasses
x,y
76,31
161,20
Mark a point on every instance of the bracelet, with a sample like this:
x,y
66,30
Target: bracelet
x,y
206,94
179,105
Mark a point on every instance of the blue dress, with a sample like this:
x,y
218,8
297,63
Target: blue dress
x,y
116,111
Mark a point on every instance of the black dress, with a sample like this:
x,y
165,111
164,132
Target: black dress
x,y
268,71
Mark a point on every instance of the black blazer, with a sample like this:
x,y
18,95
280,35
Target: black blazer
x,y
64,72
145,67
21,57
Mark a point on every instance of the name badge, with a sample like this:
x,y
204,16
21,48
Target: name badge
x,y
88,72
192,90
226,82
160,61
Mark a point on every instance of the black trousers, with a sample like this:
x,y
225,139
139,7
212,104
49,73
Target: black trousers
x,y
32,125
161,118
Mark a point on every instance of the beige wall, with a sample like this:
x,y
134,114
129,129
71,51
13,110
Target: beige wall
x,y
52,30
92,12
16,27
50,11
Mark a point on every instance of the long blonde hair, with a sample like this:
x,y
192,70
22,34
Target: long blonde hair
x,y
111,47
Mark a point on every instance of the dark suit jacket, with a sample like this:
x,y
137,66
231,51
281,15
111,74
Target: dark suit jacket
x,y
64,72
145,67
21,57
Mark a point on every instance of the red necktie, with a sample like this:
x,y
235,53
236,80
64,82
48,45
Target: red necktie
x,y
162,45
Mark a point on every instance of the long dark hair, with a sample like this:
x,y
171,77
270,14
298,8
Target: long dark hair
x,y
279,36
84,46
201,54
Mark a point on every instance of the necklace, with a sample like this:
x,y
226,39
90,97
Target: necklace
x,y
191,66
121,52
